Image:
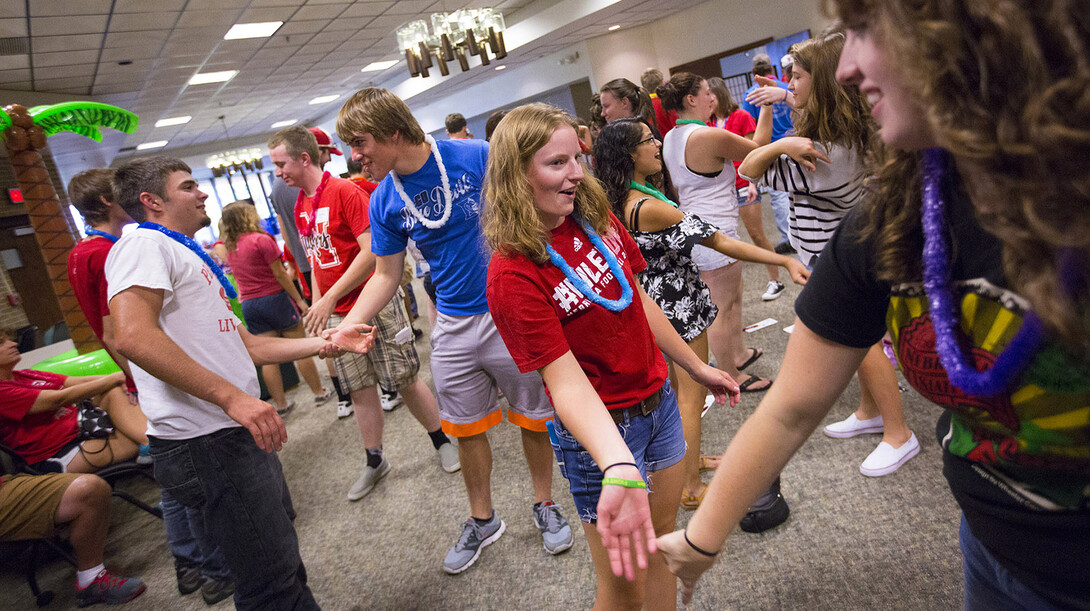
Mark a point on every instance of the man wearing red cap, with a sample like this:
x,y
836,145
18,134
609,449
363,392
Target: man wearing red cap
x,y
326,150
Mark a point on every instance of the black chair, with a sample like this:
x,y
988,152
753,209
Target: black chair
x,y
27,338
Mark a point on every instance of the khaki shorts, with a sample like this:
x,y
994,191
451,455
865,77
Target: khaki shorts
x,y
392,364
28,504
468,362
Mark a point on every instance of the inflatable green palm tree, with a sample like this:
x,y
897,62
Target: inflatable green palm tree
x,y
24,134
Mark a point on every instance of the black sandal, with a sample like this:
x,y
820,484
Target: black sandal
x,y
754,354
745,386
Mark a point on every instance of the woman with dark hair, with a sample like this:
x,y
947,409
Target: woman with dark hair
x,y
625,155
597,340
737,121
972,252
622,98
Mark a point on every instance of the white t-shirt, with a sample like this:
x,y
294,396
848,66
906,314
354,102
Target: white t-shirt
x,y
197,315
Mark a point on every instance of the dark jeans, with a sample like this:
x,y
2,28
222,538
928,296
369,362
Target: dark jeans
x,y
989,586
247,511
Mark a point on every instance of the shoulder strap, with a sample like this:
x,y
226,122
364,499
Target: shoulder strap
x,y
633,217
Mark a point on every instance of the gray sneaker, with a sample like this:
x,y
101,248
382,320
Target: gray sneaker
x,y
474,538
110,589
448,458
368,478
554,528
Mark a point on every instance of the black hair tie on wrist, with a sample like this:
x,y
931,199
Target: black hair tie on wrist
x,y
698,550
619,464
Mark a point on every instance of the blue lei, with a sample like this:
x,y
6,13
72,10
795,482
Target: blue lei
x,y
584,288
191,244
109,236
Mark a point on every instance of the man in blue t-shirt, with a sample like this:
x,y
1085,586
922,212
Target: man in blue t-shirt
x,y
431,194
781,126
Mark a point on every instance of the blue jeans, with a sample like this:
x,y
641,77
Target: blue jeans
x,y
989,586
781,208
189,543
656,442
247,510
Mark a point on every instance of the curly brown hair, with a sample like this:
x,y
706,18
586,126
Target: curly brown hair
x,y
1005,85
834,113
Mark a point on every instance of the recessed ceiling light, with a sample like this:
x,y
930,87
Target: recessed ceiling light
x,y
173,121
376,66
614,27
322,99
501,67
212,77
287,123
264,29
151,145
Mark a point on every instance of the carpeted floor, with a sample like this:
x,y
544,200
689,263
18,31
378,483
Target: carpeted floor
x,y
851,543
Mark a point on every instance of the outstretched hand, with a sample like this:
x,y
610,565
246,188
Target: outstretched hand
x,y
683,561
798,271
768,92
317,316
802,150
625,526
723,386
353,338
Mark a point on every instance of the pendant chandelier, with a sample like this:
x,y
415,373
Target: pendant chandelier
x,y
233,162
452,36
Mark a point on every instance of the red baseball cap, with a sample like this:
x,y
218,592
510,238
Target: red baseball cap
x,y
324,141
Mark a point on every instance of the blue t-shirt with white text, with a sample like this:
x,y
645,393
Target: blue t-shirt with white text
x,y
456,251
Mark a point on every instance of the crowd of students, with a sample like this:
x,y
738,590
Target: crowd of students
x,y
930,199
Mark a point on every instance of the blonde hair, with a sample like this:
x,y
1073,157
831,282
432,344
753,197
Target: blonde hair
x,y
296,140
834,113
510,221
238,219
380,113
1005,85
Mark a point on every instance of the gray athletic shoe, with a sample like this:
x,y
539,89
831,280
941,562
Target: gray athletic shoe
x,y
448,458
368,478
555,531
474,538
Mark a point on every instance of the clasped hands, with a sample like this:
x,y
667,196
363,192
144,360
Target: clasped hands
x,y
358,338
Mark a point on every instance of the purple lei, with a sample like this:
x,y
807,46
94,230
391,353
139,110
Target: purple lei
x,y
936,280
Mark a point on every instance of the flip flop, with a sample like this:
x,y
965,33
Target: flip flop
x,y
692,502
754,354
704,463
745,386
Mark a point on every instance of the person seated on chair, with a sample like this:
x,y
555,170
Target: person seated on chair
x,y
39,420
33,506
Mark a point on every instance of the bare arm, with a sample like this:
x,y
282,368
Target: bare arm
x,y
285,283
379,290
76,389
800,149
763,135
355,275
814,373
141,340
269,350
745,251
109,337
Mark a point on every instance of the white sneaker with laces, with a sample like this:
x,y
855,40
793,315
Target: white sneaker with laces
x,y
773,290
389,401
344,409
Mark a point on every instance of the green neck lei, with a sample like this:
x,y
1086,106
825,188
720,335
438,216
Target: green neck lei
x,y
653,192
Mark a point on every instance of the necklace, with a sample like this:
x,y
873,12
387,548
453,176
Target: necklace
x,y
448,203
690,122
109,236
653,192
192,245
1021,349
308,225
584,287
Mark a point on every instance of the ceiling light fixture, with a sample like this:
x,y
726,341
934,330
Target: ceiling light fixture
x,y
235,161
452,36
212,77
173,121
376,66
324,99
287,123
151,145
614,27
263,29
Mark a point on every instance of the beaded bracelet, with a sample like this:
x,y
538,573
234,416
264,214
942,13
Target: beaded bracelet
x,y
627,483
619,464
698,550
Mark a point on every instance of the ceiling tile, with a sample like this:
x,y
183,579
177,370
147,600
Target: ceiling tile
x,y
144,6
46,8
215,4
366,9
78,42
320,11
12,27
20,86
308,26
260,15
145,37
389,22
135,22
342,24
11,76
409,7
116,54
218,21
45,60
42,84
138,66
56,72
260,3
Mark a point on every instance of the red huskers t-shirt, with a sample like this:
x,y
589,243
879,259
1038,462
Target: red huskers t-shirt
x,y
87,275
35,437
340,217
540,315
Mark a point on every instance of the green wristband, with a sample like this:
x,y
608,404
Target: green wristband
x,y
627,483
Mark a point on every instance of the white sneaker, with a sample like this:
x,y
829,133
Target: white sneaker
x,y
852,426
773,290
367,480
886,459
389,401
344,409
448,458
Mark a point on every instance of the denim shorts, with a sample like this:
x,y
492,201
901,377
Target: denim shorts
x,y
270,313
656,442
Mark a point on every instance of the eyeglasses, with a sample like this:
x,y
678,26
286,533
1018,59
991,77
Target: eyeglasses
x,y
647,139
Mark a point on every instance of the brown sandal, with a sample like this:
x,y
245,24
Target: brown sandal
x,y
704,460
691,503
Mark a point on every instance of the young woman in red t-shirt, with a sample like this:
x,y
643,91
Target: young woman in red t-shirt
x,y
595,337
271,304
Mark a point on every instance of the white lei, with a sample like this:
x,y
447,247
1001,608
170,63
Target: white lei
x,y
448,203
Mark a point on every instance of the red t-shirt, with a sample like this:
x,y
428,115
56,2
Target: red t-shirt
x,y
251,264
340,217
740,122
35,437
665,119
361,182
87,275
541,316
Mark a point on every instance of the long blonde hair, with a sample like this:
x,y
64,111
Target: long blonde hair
x,y
510,221
238,219
1005,85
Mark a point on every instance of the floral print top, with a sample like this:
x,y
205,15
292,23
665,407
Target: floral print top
x,y
671,277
